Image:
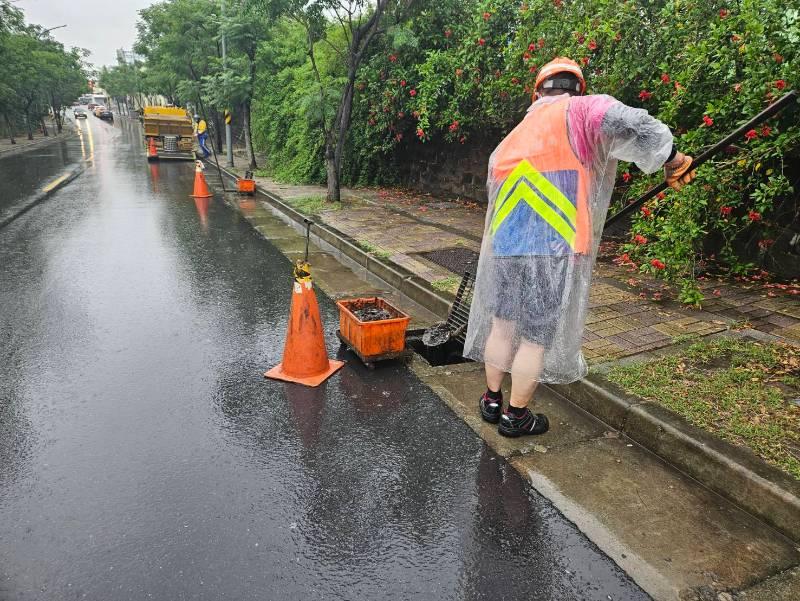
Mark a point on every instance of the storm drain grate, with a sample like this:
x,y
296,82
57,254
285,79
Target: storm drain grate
x,y
458,260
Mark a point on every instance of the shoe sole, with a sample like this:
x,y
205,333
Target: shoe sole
x,y
517,433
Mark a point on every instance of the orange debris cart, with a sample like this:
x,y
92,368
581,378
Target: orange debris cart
x,y
373,329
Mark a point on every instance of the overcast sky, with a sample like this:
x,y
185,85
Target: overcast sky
x,y
102,26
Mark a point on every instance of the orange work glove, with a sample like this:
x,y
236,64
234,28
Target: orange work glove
x,y
677,173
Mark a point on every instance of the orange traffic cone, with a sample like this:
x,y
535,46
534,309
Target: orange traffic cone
x,y
152,151
305,358
200,185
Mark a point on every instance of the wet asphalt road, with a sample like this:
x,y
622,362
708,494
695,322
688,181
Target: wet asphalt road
x,y
143,455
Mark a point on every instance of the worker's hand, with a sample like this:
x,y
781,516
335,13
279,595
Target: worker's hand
x,y
677,173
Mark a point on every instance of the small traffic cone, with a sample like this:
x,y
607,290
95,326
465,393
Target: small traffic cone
x,y
305,358
200,185
152,151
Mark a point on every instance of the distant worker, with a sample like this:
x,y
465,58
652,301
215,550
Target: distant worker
x,y
550,181
200,130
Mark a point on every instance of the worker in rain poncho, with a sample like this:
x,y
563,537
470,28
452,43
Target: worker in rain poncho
x,y
550,181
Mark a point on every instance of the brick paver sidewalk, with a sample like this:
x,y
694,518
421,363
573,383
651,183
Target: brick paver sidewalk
x,y
629,313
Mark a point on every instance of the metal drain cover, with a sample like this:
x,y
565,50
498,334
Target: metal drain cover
x,y
458,259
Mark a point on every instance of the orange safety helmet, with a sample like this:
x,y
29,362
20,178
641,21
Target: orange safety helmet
x,y
558,65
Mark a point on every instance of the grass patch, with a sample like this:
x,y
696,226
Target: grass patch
x,y
375,251
312,205
741,390
448,284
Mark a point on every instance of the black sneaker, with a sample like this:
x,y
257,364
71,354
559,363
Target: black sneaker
x,y
491,409
529,423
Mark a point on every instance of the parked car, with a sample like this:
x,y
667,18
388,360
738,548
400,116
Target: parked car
x,y
79,113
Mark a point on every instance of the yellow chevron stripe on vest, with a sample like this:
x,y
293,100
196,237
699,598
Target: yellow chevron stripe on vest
x,y
509,196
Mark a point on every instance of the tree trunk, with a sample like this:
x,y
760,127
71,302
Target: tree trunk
x,y
10,129
248,137
45,133
29,125
332,172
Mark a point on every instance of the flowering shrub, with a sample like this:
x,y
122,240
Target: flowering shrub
x,y
461,71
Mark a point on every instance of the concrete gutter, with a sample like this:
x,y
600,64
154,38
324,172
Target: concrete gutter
x,y
735,473
46,192
732,472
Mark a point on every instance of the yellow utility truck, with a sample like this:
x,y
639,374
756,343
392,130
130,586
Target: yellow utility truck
x,y
168,133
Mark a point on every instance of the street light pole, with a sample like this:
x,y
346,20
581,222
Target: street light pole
x,y
228,137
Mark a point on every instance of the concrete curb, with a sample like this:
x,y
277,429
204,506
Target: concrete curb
x,y
395,276
45,193
732,472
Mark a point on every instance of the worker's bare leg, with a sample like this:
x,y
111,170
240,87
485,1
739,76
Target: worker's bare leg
x,y
525,371
497,352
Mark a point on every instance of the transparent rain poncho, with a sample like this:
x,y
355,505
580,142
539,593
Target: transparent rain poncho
x,y
550,181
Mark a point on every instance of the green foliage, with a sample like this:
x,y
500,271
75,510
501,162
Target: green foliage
x,y
39,75
736,388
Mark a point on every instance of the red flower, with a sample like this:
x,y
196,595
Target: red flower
x,y
459,72
448,33
420,133
626,177
726,211
639,239
644,95
532,46
398,137
532,69
661,196
735,38
780,84
723,12
400,115
657,264
751,134
754,216
540,43
486,16
412,93
765,243
664,78
557,3
371,121
393,58
624,258
778,58
592,45
481,42
618,37
454,126
526,56
646,212
737,87
415,114
580,37
402,83
708,120
585,60
765,131
515,80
